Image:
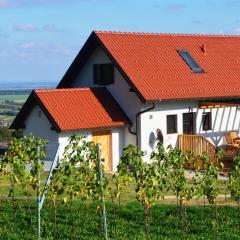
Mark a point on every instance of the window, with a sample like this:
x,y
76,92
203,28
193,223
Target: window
x,y
103,74
190,61
189,123
207,121
171,124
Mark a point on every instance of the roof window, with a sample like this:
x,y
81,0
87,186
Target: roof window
x,y
190,61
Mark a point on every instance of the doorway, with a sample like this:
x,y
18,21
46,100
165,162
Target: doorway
x,y
104,138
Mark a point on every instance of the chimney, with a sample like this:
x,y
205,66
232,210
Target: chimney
x,y
203,48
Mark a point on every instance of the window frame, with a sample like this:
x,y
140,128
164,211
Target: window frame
x,y
175,123
190,61
103,74
208,116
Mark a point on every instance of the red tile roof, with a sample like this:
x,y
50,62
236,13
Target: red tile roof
x,y
77,108
157,71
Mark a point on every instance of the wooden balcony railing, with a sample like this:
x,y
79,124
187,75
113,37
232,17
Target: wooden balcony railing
x,y
197,144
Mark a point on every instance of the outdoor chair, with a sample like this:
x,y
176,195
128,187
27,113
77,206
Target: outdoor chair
x,y
232,140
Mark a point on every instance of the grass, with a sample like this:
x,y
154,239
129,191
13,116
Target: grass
x,y
124,222
127,195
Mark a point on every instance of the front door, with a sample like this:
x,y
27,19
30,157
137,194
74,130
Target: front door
x,y
105,140
189,120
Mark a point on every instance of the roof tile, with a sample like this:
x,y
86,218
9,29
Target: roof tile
x,y
82,108
158,72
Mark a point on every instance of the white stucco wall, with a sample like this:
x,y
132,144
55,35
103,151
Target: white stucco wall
x,y
39,125
117,146
63,138
127,100
223,119
117,142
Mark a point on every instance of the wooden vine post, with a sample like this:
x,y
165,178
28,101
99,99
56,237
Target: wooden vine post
x,y
100,175
38,197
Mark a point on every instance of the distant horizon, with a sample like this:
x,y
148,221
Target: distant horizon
x,y
27,84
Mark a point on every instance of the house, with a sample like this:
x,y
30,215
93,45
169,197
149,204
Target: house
x,y
181,88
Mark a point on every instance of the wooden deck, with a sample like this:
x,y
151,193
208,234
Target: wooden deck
x,y
198,144
228,157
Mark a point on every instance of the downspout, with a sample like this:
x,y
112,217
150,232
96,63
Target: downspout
x,y
137,115
130,129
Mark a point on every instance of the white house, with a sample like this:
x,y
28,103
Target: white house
x,y
174,87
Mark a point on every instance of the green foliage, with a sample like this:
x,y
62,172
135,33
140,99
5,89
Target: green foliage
x,y
76,179
234,179
150,179
5,134
77,173
20,153
17,133
208,184
123,223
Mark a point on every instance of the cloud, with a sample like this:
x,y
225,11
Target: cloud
x,y
232,2
3,35
25,28
28,45
236,30
5,4
31,28
52,28
38,52
24,3
51,49
175,6
197,22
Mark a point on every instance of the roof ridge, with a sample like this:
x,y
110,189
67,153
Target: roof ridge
x,y
67,89
169,34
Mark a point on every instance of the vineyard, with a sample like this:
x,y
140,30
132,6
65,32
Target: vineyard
x,y
154,200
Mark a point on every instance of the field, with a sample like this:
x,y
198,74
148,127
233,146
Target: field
x,y
10,104
13,96
16,98
124,222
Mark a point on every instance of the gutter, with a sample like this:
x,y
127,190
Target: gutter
x,y
137,115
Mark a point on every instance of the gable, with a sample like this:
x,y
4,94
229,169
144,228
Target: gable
x,y
92,44
74,109
39,125
84,78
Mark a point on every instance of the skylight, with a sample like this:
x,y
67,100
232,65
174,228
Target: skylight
x,y
190,61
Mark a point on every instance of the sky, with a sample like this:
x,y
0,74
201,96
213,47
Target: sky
x,y
39,39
